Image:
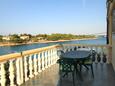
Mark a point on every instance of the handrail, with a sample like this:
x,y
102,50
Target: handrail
x,y
27,64
21,54
101,45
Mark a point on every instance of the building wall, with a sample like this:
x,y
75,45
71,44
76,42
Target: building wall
x,y
113,35
111,23
113,50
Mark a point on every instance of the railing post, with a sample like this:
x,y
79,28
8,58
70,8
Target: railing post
x,y
26,68
11,73
96,55
101,54
3,72
107,55
39,63
22,70
35,64
42,61
55,56
18,73
52,56
30,67
46,59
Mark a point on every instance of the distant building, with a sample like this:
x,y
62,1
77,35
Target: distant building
x,y
40,38
7,38
24,37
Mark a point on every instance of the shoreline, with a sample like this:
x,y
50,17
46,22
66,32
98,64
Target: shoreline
x,y
16,44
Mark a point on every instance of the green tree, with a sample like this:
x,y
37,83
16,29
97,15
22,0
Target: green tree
x,y
34,39
42,35
1,38
15,38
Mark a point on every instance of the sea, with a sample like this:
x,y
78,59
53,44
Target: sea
x,y
19,48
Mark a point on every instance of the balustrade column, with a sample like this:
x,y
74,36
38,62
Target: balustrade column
x,y
55,56
46,59
96,55
30,67
69,48
26,68
101,55
3,77
49,58
39,63
72,48
18,73
43,68
52,56
11,73
65,48
22,69
35,64
107,55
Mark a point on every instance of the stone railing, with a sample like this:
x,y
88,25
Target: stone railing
x,y
102,53
17,68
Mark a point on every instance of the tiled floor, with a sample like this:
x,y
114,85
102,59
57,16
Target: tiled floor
x,y
103,76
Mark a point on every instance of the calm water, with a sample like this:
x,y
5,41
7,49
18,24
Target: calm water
x,y
19,48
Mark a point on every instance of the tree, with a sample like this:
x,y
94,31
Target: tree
x,y
42,35
1,38
34,39
15,38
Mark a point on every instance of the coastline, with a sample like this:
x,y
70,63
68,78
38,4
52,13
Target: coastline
x,y
14,44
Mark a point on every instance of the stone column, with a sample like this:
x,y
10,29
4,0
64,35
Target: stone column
x,y
39,63
11,73
3,72
35,64
30,67
43,68
26,68
18,73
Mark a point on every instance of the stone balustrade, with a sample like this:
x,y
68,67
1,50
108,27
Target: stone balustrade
x,y
17,68
102,53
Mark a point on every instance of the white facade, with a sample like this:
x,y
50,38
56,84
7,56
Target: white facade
x,y
6,38
24,37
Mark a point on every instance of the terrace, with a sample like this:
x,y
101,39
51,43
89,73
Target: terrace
x,y
38,67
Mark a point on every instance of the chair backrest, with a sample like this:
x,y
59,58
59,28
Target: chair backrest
x,y
60,52
66,65
93,53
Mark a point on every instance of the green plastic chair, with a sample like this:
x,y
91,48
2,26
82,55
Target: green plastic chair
x,y
87,63
65,67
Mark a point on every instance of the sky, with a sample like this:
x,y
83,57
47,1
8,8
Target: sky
x,y
52,16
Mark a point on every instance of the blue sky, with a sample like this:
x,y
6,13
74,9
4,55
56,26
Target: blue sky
x,y
52,16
